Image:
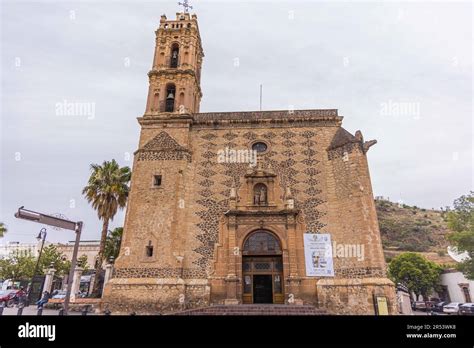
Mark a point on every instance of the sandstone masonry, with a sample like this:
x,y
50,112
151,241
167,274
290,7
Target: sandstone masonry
x,y
199,231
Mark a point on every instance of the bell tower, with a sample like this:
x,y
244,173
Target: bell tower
x,y
175,78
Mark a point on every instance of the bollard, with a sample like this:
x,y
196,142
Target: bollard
x,y
107,312
61,311
40,311
20,308
85,310
2,306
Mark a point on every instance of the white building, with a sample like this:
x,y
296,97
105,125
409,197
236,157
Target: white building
x,y
16,247
456,287
90,248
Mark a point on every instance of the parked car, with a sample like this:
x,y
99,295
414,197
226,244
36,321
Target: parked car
x,y
452,308
59,294
438,307
419,306
466,309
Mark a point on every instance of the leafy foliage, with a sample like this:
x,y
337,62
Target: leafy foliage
x,y
82,262
416,272
461,221
17,266
112,243
3,229
22,265
51,256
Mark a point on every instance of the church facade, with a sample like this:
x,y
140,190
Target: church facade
x,y
220,202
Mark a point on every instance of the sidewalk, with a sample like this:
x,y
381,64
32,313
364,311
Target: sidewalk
x,y
32,310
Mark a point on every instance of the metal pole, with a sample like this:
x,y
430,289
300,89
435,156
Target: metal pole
x,y
260,97
85,310
73,267
20,308
43,234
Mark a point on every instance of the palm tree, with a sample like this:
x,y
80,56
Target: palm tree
x,y
3,229
107,191
112,243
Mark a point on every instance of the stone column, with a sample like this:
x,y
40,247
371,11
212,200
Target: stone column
x,y
91,284
294,280
76,281
231,279
48,280
108,274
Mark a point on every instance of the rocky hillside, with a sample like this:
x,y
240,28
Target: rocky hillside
x,y
405,228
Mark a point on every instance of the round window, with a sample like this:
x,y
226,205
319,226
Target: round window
x,y
259,147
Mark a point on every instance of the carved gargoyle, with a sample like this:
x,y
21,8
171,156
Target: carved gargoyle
x,y
365,145
368,144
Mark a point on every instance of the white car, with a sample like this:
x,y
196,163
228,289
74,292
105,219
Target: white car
x,y
452,307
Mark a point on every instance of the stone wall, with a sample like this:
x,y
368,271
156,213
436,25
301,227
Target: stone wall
x,y
153,296
354,296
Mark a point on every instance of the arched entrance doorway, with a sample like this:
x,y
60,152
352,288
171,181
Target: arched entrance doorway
x,y
262,268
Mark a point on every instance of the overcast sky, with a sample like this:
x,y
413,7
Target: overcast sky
x,y
400,72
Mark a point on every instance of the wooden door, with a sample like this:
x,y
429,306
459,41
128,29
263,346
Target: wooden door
x,y
262,279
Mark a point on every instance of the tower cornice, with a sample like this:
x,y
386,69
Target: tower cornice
x,y
174,73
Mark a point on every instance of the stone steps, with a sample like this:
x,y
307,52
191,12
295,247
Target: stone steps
x,y
254,309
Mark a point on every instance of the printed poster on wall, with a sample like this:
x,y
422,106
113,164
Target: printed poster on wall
x,y
318,255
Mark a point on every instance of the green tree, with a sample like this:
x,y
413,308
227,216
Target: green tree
x,y
112,243
18,266
3,229
461,220
51,256
416,272
21,265
82,262
107,191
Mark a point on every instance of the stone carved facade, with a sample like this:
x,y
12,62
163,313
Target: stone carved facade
x,y
198,215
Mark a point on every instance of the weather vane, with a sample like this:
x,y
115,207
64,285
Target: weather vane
x,y
185,5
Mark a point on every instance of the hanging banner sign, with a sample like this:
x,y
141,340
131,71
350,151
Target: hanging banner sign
x,y
318,255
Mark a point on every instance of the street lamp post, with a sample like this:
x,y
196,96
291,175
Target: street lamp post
x,y
41,237
61,223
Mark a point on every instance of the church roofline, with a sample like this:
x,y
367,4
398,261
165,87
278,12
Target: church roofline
x,y
332,112
235,115
324,117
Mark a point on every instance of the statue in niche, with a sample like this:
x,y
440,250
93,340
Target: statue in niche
x,y
260,195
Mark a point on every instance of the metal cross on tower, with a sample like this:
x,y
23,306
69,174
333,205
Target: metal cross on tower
x,y
185,5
